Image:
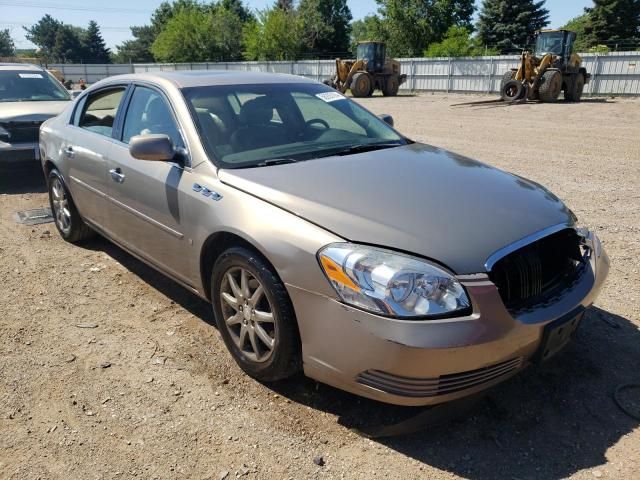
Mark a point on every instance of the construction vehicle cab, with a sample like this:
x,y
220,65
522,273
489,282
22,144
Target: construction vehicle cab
x,y
551,68
373,53
371,70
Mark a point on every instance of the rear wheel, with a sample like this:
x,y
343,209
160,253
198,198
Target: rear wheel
x,y
361,85
574,91
551,86
255,316
67,219
391,86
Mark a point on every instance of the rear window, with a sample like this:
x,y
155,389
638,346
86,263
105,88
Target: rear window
x,y
30,86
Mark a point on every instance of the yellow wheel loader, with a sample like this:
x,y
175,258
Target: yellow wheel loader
x,y
552,68
370,71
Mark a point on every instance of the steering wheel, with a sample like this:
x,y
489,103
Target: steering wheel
x,y
322,122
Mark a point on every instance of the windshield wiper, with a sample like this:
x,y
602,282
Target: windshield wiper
x,y
365,147
276,161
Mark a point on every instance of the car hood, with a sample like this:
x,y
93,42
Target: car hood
x,y
30,111
415,198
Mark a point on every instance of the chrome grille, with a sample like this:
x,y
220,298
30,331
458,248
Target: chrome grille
x,y
443,385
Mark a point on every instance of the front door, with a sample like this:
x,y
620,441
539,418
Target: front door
x,y
145,212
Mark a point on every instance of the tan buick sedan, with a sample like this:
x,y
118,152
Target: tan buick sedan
x,y
325,240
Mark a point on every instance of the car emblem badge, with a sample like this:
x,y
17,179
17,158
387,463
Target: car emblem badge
x,y
206,192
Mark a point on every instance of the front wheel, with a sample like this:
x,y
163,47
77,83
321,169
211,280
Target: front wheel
x,y
67,219
255,316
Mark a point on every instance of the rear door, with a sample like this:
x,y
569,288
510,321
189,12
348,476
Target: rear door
x,y
87,146
146,211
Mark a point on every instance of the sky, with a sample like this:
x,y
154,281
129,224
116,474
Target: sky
x,y
115,16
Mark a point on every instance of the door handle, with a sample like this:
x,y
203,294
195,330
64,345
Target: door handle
x,y
69,152
116,175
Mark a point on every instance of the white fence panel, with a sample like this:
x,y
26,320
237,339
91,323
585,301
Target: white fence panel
x,y
611,73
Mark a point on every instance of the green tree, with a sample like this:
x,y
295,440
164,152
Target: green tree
x,y
458,42
614,23
139,49
284,5
43,34
506,24
95,49
68,46
7,47
326,26
411,25
194,35
578,25
370,28
237,7
275,35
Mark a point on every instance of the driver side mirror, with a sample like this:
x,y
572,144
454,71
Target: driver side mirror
x,y
154,148
386,118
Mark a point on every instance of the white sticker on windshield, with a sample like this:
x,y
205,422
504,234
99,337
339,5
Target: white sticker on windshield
x,y
30,75
330,96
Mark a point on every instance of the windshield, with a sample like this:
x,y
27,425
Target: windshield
x,y
254,125
549,42
30,86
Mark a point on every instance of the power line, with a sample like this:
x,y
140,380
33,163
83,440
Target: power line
x,y
29,24
73,7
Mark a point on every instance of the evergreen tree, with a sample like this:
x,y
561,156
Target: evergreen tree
x,y
614,22
7,47
68,47
326,26
43,34
95,50
506,24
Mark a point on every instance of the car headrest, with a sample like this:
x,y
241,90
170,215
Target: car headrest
x,y
156,111
257,111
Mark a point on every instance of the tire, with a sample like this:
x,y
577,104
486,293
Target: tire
x,y
361,85
506,77
575,89
550,87
251,352
66,217
512,91
391,86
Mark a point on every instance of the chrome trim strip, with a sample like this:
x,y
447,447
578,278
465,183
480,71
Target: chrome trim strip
x,y
504,251
147,219
88,187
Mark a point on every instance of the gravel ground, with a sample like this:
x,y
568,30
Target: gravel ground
x,y
109,370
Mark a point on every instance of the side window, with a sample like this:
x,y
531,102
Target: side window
x,y
100,111
149,113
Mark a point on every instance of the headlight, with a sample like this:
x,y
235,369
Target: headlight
x,y
390,283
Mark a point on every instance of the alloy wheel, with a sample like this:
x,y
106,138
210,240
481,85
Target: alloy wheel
x,y
248,314
60,204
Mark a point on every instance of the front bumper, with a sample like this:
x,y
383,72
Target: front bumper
x,y
428,362
19,152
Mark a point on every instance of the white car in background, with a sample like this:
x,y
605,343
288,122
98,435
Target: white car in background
x,y
29,95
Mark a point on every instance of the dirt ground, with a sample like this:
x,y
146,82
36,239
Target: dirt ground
x,y
150,391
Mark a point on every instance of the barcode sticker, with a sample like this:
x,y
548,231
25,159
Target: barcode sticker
x,y
330,96
30,75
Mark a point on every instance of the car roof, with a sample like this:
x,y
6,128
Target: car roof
x,y
200,78
20,66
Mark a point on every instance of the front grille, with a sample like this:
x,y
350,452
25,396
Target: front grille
x,y
539,271
23,132
443,385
